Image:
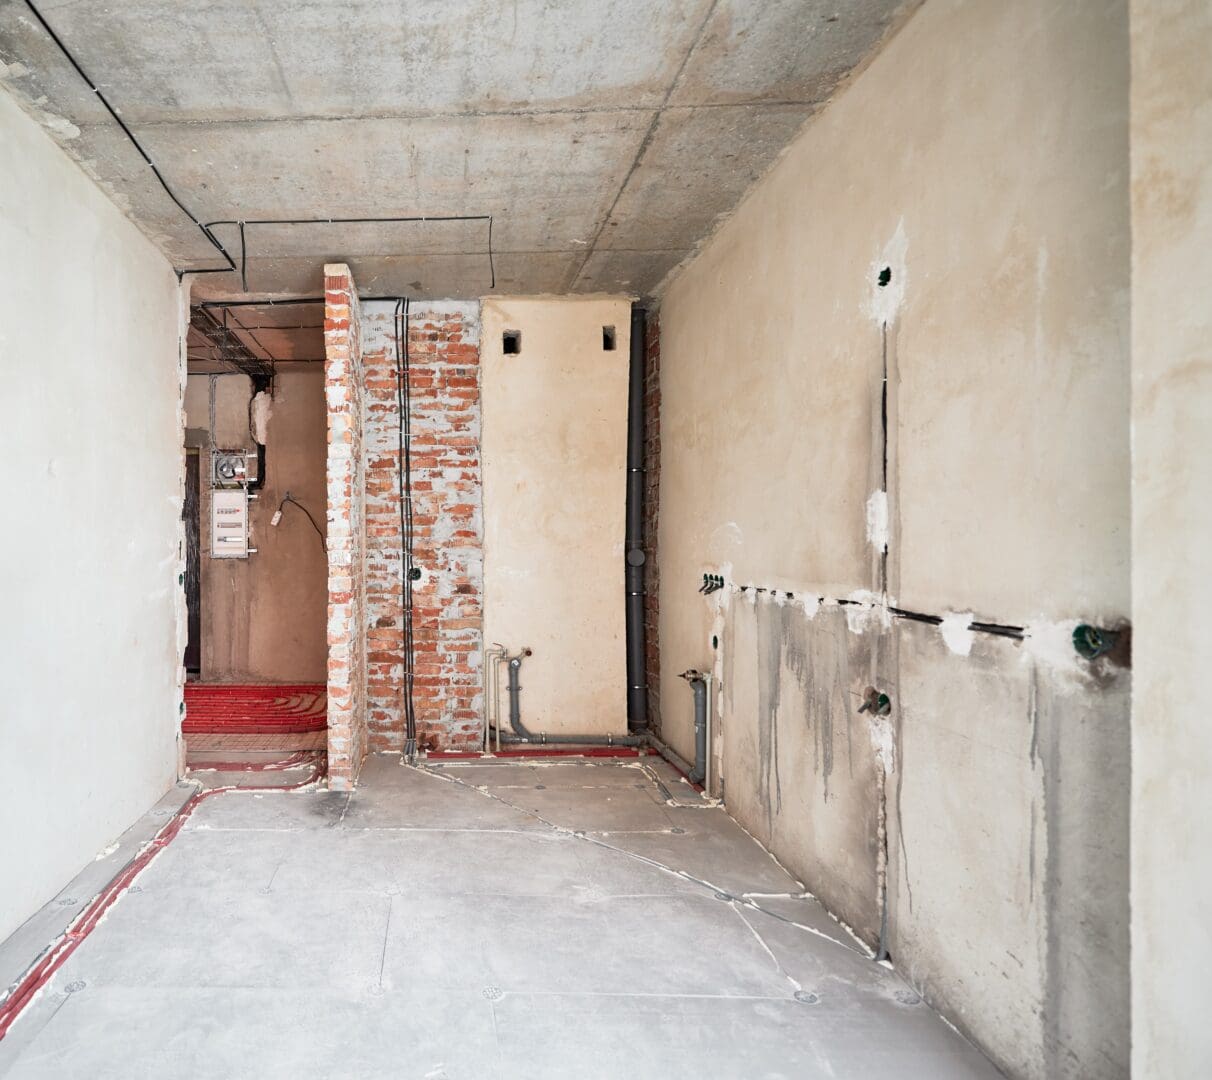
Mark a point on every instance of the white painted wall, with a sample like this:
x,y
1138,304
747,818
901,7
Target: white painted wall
x,y
554,452
91,452
1171,536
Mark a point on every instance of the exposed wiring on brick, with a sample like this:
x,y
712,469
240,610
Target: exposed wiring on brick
x,y
407,573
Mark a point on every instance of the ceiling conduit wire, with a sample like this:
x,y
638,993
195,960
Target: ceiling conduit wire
x,y
214,242
408,572
206,228
407,220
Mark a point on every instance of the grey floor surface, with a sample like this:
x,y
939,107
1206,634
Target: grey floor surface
x,y
563,919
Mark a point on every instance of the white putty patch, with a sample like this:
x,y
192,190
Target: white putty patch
x,y
866,610
877,520
727,535
12,71
884,301
883,742
956,632
262,408
1051,644
810,602
107,852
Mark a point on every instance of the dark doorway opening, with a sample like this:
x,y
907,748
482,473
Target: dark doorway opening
x,y
191,513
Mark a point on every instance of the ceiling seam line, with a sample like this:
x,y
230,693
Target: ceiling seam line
x,y
644,144
613,110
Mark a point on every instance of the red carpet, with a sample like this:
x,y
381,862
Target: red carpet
x,y
254,710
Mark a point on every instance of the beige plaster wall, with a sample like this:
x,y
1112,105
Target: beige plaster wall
x,y
263,618
1172,527
982,158
554,450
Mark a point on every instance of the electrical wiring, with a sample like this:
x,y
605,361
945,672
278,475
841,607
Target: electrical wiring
x,y
214,241
207,228
289,498
413,219
408,573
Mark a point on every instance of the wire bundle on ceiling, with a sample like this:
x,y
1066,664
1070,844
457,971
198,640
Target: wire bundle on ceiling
x,y
407,573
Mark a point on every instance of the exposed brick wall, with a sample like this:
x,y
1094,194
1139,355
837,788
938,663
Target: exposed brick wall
x,y
652,505
448,531
343,380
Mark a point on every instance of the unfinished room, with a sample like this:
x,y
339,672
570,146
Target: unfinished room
x,y
606,538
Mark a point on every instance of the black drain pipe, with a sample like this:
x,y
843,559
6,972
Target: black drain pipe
x,y
522,735
637,684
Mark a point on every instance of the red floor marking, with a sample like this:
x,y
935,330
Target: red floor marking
x,y
84,923
212,708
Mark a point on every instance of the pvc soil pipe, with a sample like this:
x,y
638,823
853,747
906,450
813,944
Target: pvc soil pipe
x,y
683,767
637,688
521,735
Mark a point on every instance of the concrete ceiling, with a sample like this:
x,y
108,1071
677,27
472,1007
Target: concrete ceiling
x,y
605,138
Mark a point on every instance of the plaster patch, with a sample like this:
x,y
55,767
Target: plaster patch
x,y
884,300
866,610
12,71
883,741
728,535
60,126
877,520
956,632
810,603
262,408
1051,644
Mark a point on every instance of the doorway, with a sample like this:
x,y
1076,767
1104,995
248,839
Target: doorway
x,y
191,513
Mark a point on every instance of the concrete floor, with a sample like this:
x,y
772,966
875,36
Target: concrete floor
x,y
476,920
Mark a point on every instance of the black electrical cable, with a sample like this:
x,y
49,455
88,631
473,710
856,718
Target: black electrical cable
x,y
206,229
409,220
214,241
404,427
289,498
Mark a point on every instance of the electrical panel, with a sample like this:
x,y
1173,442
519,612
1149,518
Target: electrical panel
x,y
229,523
229,468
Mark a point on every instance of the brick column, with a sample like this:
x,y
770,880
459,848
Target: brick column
x,y
343,391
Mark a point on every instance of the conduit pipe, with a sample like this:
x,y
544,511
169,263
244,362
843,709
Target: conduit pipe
x,y
700,684
522,735
493,658
637,686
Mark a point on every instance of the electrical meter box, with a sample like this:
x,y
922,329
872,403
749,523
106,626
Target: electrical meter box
x,y
228,524
228,468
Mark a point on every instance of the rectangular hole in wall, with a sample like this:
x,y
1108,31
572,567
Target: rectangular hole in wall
x,y
608,338
511,342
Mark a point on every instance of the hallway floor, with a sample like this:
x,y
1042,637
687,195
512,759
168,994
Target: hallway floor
x,y
475,919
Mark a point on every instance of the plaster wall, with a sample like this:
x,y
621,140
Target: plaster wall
x,y
93,613
263,617
979,830
554,464
1171,524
